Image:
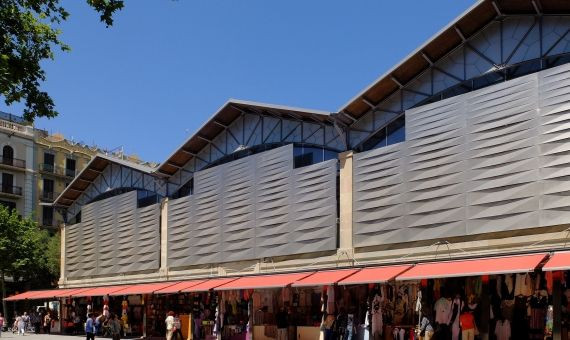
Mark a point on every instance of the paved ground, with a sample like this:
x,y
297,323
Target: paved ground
x,y
44,337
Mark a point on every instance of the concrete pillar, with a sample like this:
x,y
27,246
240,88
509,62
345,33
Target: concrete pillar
x,y
62,253
346,200
164,237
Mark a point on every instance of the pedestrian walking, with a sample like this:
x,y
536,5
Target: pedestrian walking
x,y
1,324
169,325
177,328
36,322
21,323
115,327
47,323
90,327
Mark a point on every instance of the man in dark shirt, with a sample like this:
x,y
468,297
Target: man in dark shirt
x,y
282,321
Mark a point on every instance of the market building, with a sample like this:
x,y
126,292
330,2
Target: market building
x,y
440,191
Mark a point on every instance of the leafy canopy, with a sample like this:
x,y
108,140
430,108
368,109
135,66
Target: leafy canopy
x,y
29,32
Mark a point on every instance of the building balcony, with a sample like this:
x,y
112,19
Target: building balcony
x,y
48,196
12,163
10,190
56,170
48,222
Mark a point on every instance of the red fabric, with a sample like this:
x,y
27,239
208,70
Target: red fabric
x,y
207,285
474,267
144,288
558,261
374,275
467,321
325,277
98,291
178,287
263,281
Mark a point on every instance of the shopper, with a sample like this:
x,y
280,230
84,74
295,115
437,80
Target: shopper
x,y
1,324
90,327
115,327
20,321
177,328
47,323
282,321
169,325
426,329
99,324
468,327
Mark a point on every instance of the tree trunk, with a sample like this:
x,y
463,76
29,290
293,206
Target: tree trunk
x,y
3,287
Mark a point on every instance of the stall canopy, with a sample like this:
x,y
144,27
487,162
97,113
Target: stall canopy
x,y
98,291
63,293
374,275
143,288
35,295
176,288
264,281
325,277
474,267
558,261
207,285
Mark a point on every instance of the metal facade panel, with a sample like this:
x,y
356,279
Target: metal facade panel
x,y
114,237
254,207
491,160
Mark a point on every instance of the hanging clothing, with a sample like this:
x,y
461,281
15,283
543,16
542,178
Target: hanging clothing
x,y
499,287
549,282
509,284
330,300
442,311
503,330
377,323
523,285
455,325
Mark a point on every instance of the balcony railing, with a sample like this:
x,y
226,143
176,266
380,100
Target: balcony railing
x,y
48,196
11,189
18,163
47,222
56,170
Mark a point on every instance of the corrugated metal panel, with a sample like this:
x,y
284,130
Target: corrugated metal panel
x,y
255,207
487,161
113,237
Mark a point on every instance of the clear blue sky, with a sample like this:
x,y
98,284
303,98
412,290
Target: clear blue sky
x,y
166,66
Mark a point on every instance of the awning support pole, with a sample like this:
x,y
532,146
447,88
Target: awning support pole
x,y
557,307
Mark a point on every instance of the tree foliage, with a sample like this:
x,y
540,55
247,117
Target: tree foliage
x,y
29,33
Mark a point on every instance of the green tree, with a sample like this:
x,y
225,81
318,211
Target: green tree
x,y
22,248
29,33
53,255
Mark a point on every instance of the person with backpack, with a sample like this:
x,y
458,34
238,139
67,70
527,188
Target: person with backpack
x,y
90,327
47,323
426,329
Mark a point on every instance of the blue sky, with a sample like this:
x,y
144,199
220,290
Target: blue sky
x,y
166,66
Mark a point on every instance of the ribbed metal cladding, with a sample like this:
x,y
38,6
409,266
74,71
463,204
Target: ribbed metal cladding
x,y
491,160
113,237
254,207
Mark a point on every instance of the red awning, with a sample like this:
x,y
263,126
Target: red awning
x,y
69,292
207,285
178,287
558,261
143,288
325,277
264,281
374,275
24,296
98,291
474,267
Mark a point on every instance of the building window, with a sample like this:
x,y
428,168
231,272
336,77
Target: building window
x,y
185,190
48,190
70,167
10,205
7,183
308,155
49,162
394,132
7,155
47,216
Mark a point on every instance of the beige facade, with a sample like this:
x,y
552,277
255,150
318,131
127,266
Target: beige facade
x,y
57,161
16,164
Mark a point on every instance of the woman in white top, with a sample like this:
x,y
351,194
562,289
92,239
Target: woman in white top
x,y
169,325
